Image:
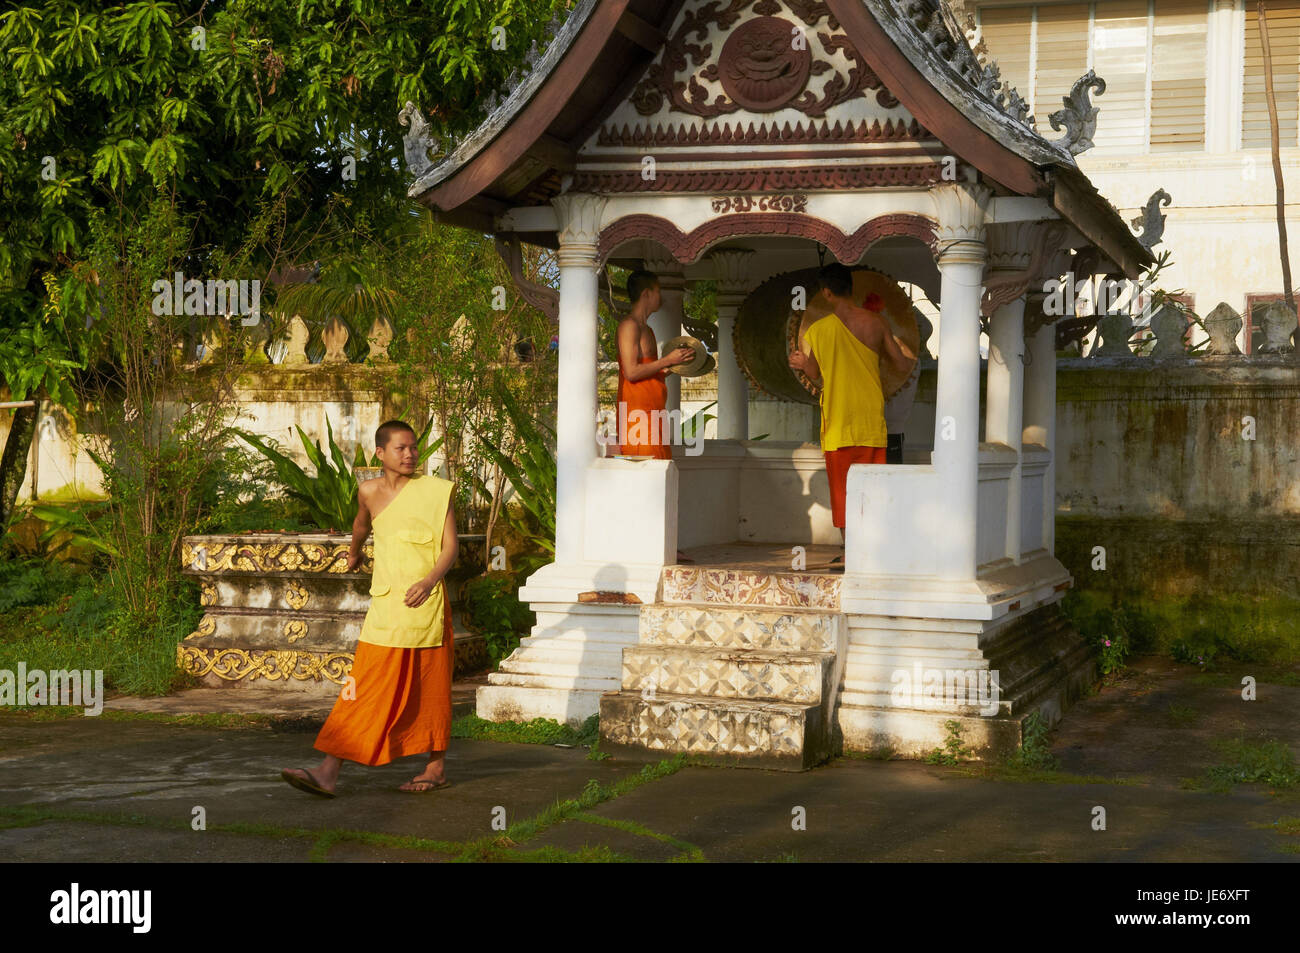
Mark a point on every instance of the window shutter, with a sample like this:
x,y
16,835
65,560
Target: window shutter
x,y
1178,65
1119,55
1284,43
1062,59
1006,32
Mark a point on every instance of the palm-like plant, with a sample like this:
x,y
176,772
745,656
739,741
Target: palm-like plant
x,y
531,472
331,495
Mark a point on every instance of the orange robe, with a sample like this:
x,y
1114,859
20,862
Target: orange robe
x,y
402,704
646,396
837,473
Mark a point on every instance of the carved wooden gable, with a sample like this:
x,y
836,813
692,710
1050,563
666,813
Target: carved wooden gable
x,y
771,89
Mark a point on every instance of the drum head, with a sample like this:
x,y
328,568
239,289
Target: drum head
x,y
897,311
768,328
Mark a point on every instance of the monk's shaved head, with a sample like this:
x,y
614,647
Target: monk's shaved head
x,y
638,283
837,279
389,428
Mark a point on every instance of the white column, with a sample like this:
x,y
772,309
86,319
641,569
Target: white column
x,y
1009,254
732,271
667,321
1222,77
960,208
1040,413
577,404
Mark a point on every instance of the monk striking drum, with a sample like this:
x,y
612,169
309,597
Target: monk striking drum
x,y
399,702
842,353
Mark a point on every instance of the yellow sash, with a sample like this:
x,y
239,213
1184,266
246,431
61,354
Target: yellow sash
x,y
408,542
852,401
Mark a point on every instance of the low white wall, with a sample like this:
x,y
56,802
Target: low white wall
x,y
708,500
784,495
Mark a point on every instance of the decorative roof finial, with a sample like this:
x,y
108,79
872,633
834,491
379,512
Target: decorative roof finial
x,y
1151,223
1079,117
418,143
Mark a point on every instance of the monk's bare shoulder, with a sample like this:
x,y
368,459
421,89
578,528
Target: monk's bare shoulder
x,y
876,327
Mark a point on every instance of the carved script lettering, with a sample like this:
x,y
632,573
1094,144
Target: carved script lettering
x,y
761,203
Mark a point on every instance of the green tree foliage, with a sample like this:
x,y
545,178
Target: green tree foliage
x,y
229,103
227,107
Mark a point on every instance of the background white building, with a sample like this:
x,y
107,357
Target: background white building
x,y
1184,110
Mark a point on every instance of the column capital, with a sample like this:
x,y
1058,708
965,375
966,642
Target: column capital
x,y
960,208
578,215
670,272
1020,253
731,272
1011,245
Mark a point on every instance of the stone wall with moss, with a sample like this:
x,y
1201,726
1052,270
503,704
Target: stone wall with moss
x,y
1178,504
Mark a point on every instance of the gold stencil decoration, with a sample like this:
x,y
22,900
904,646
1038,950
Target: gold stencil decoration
x,y
207,594
231,555
238,664
295,629
296,595
207,625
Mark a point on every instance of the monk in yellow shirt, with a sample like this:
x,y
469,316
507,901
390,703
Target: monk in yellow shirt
x,y
841,352
400,702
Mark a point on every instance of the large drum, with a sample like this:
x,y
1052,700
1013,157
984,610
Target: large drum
x,y
768,329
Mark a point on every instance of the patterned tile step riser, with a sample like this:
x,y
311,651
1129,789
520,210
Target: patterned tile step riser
x,y
748,587
732,628
791,734
713,674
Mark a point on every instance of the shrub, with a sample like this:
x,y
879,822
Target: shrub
x,y
493,610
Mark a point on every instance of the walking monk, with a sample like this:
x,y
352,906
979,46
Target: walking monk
x,y
841,352
642,391
401,699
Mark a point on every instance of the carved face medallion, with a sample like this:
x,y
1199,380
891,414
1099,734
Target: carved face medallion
x,y
759,66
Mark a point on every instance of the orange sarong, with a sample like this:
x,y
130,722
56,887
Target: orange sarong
x,y
402,705
837,473
642,398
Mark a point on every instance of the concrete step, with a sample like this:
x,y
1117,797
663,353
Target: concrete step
x,y
750,587
566,680
792,677
536,664
729,731
739,628
884,701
